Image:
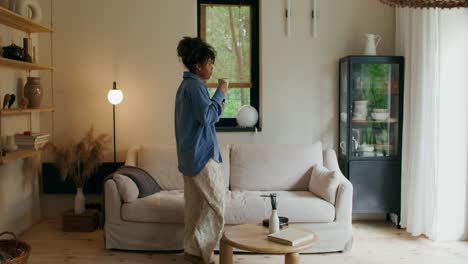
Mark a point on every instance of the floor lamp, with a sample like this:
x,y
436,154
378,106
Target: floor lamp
x,y
115,97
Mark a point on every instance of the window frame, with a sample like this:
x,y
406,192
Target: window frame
x,y
229,124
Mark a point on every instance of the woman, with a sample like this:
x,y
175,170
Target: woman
x,y
197,150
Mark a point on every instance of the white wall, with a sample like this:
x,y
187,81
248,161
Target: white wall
x,y
134,43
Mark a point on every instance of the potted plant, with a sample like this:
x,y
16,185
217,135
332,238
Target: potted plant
x,y
79,160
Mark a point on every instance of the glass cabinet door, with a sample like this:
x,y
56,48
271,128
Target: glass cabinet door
x,y
343,108
375,98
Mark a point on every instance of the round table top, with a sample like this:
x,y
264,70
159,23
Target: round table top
x,y
253,237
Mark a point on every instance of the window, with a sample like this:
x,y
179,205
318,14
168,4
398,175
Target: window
x,y
232,28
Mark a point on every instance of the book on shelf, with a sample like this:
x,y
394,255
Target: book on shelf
x,y
291,236
35,146
35,137
35,141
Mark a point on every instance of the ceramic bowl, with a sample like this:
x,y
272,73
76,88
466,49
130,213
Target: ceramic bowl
x,y
380,116
380,110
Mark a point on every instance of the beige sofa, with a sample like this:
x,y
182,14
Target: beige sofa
x,y
156,222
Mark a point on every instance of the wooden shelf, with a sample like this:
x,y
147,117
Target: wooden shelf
x,y
11,19
17,111
17,155
391,120
23,65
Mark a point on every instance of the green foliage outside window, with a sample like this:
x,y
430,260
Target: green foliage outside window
x,y
228,31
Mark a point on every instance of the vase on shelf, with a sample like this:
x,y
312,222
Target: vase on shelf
x,y
33,91
27,49
79,202
10,145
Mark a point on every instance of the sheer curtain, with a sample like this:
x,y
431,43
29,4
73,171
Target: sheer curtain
x,y
435,131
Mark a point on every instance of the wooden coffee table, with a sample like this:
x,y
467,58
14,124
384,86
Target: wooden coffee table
x,y
251,237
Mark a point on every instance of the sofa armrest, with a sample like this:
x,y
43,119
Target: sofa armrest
x,y
344,194
112,201
132,156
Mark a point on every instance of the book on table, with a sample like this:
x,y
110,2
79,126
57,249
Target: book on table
x,y
291,236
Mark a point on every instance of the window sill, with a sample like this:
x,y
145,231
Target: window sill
x,y
237,129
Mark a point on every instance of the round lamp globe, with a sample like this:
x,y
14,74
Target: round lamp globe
x,y
247,116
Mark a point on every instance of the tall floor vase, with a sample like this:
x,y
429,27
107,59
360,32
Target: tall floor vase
x,y
79,202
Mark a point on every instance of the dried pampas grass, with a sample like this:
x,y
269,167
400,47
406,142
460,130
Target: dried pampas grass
x,y
79,160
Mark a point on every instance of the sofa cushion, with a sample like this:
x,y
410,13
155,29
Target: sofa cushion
x,y
244,207
303,207
145,183
273,167
162,207
241,207
161,162
127,188
324,183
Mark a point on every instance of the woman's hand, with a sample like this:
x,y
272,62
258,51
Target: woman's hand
x,y
223,85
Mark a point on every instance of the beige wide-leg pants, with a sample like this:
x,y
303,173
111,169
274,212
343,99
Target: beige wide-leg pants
x,y
204,210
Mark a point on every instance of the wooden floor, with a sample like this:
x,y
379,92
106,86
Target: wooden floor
x,y
374,242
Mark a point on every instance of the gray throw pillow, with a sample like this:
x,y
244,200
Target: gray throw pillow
x,y
146,184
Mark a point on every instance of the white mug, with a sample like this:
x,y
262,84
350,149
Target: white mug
x,y
223,79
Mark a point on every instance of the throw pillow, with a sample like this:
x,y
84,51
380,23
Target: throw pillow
x,y
127,188
146,184
324,183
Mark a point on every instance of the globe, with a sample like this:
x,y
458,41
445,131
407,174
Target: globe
x,y
247,116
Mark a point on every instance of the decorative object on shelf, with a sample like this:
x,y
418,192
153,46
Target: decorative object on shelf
x,y
27,7
380,114
115,97
247,116
378,98
27,50
355,143
11,101
360,110
32,141
274,223
426,3
23,103
372,41
34,59
13,52
80,160
10,144
6,99
343,147
343,116
33,91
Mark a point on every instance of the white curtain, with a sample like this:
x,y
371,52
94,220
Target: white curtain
x,y
435,147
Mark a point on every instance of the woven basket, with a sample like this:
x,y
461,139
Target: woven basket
x,y
19,250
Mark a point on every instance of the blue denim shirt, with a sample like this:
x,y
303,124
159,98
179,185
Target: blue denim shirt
x,y
195,117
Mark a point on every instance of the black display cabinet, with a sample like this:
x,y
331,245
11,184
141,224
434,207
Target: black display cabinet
x,y
370,129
